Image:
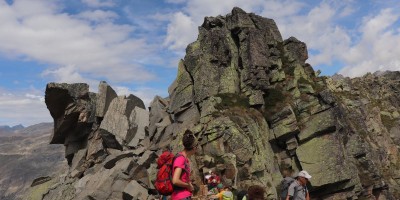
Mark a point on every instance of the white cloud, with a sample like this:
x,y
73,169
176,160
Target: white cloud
x,y
28,8
98,15
181,32
99,3
36,97
378,47
347,10
318,30
25,108
69,74
40,32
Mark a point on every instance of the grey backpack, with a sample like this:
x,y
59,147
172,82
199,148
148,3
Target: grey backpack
x,y
285,183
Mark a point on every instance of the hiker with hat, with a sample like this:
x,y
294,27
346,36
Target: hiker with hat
x,y
183,188
298,189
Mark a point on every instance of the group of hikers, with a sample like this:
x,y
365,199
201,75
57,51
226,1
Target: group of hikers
x,y
181,188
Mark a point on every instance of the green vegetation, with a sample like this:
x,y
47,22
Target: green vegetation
x,y
302,80
274,100
38,191
362,133
318,85
288,69
387,121
345,95
272,97
229,100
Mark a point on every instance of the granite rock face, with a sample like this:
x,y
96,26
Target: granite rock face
x,y
256,107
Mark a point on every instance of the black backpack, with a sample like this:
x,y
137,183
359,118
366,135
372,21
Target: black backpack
x,y
285,183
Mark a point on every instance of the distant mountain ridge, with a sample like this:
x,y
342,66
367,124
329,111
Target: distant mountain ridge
x,y
10,129
25,155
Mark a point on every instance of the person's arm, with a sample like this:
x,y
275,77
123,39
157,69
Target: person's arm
x,y
176,180
290,192
216,196
307,196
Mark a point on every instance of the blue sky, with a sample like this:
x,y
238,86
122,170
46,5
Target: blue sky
x,y
135,45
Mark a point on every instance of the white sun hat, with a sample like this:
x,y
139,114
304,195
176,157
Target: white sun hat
x,y
304,174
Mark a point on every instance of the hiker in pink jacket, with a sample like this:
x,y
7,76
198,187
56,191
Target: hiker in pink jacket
x,y
183,188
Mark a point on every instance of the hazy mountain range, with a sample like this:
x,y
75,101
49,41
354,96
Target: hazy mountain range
x,y
5,130
25,154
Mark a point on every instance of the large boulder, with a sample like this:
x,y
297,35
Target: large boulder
x,y
104,97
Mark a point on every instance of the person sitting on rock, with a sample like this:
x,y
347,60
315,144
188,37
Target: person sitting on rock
x,y
224,193
298,189
213,180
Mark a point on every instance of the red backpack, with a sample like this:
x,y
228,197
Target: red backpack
x,y
163,181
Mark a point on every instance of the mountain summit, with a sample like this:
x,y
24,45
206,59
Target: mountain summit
x,y
257,108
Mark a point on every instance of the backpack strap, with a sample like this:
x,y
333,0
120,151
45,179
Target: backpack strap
x,y
185,163
296,189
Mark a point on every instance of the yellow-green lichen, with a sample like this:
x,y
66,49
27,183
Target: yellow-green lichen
x,y
36,193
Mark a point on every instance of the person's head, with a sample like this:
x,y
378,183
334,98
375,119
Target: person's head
x,y
189,141
256,192
303,177
227,186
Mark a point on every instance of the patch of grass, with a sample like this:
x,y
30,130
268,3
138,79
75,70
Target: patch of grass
x,y
229,100
288,69
387,121
272,97
36,193
274,100
319,87
302,80
344,95
363,134
216,114
317,84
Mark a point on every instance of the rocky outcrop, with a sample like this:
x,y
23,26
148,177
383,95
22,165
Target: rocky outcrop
x,y
257,108
371,109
